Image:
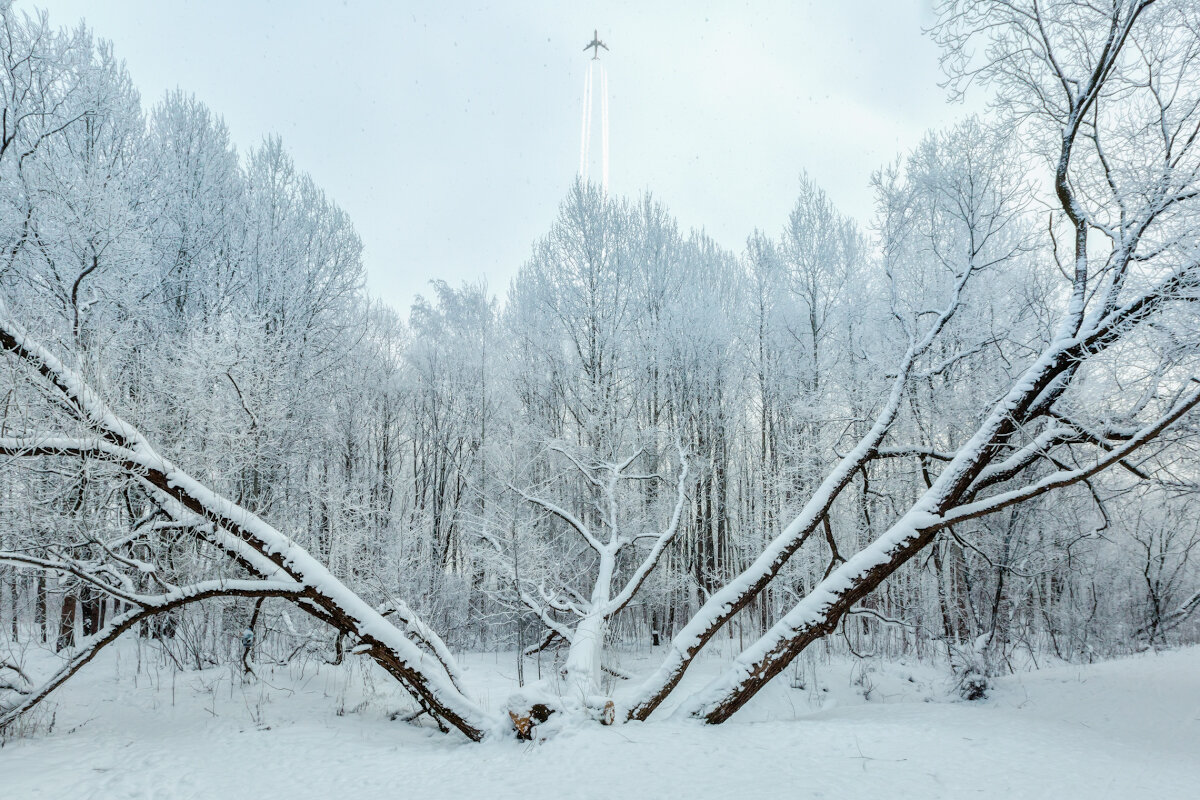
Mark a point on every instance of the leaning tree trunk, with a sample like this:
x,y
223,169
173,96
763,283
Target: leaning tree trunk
x,y
120,443
948,502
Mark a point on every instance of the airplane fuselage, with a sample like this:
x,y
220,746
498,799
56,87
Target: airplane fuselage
x,y
594,45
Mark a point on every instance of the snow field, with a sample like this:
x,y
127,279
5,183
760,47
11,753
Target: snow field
x,y
1123,729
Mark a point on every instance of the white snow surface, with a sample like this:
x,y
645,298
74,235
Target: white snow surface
x,y
1121,729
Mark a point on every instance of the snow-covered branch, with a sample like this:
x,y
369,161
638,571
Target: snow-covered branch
x,y
661,541
564,515
150,606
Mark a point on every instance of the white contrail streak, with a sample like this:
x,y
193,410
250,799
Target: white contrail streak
x,y
604,128
595,70
586,133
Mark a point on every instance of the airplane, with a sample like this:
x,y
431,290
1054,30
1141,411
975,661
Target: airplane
x,y
595,44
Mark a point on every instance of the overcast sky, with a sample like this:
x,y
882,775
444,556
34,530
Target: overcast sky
x,y
450,130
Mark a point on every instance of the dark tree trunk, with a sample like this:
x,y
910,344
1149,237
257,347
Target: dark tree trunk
x,y
91,610
39,608
66,623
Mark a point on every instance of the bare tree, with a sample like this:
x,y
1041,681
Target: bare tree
x,y
589,616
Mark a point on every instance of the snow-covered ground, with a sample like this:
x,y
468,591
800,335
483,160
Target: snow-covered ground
x,y
1123,729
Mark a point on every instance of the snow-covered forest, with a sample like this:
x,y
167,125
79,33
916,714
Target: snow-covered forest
x,y
961,433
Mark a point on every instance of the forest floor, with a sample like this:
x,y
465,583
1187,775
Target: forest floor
x,y
834,728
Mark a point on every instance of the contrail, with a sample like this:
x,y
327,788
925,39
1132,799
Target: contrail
x,y
585,134
595,69
604,127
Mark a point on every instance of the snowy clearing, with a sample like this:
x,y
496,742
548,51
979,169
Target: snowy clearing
x,y
523,538
1128,728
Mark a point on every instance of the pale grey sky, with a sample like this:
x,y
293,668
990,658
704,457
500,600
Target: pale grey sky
x,y
450,131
